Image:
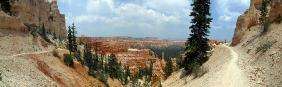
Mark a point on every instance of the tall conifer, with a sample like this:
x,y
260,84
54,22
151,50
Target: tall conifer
x,y
197,44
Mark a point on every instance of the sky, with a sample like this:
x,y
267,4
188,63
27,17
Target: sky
x,y
165,19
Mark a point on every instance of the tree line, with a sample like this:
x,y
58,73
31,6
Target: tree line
x,y
103,66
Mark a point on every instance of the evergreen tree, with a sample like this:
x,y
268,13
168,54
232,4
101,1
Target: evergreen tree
x,y
88,58
44,32
97,64
197,44
74,37
6,6
168,68
263,15
72,46
127,75
114,68
148,77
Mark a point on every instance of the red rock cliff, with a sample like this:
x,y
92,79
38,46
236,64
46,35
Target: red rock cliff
x,y
34,14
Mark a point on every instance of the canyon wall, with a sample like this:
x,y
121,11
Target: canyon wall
x,y
33,15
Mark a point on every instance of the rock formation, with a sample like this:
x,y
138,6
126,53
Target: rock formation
x,y
262,47
34,14
251,18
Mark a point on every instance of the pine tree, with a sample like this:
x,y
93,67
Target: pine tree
x,y
127,75
197,44
113,66
74,37
168,68
6,6
263,15
88,58
72,45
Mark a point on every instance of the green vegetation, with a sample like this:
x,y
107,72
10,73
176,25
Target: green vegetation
x,y
127,75
115,69
44,34
167,52
34,32
0,76
143,74
103,67
69,60
197,44
168,68
265,46
263,16
72,45
6,6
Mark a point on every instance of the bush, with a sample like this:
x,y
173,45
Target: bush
x,y
0,76
168,68
265,46
278,19
34,32
69,60
199,71
6,6
104,77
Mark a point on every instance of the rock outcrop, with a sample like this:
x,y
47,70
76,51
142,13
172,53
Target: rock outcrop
x,y
262,58
251,18
34,14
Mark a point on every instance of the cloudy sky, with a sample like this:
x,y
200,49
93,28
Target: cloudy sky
x,y
166,19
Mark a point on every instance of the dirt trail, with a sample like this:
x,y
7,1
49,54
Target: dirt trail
x,y
23,54
16,55
223,71
233,75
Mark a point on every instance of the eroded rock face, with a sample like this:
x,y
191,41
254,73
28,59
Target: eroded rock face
x,y
8,22
276,10
35,13
251,18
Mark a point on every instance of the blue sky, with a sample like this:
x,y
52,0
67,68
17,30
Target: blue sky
x,y
166,19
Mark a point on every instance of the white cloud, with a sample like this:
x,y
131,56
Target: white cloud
x,y
224,10
100,6
161,18
125,14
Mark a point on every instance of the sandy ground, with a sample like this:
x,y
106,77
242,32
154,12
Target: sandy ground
x,y
223,71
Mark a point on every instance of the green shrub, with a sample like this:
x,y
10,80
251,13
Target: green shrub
x,y
68,60
265,27
279,19
104,77
0,76
5,5
264,47
34,32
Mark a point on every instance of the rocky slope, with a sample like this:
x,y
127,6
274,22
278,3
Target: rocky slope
x,y
28,60
263,63
223,69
